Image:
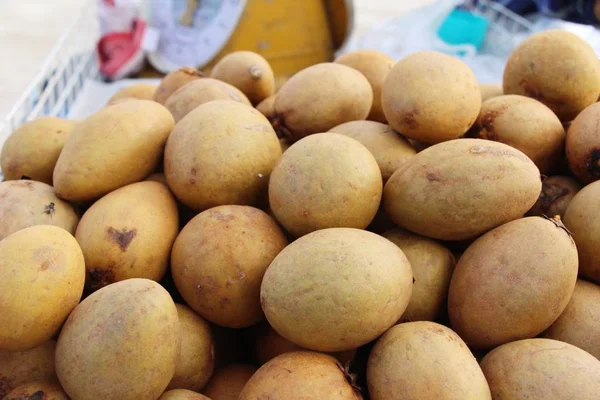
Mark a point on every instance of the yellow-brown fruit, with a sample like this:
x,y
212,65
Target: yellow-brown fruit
x,y
579,324
139,91
424,361
525,124
432,265
583,145
227,382
375,66
113,147
431,97
490,91
201,91
38,390
500,291
557,68
249,72
336,289
19,367
135,346
320,97
42,274
33,149
267,107
28,203
389,148
557,193
434,195
325,181
173,81
583,221
129,234
182,394
197,359
301,375
541,369
219,260
221,153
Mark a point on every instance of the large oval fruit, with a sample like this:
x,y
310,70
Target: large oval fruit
x,y
583,145
121,342
298,376
113,147
513,282
42,274
541,369
434,195
19,367
129,234
173,81
423,361
336,289
227,383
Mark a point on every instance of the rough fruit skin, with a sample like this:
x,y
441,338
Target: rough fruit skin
x,y
336,289
501,291
320,97
301,375
323,181
583,145
219,259
42,274
434,195
541,369
140,91
182,394
227,382
431,97
422,361
173,81
568,86
583,221
525,124
19,367
557,193
38,390
579,324
223,152
135,346
375,66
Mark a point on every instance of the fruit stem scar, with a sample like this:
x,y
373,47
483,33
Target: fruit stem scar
x,y
255,72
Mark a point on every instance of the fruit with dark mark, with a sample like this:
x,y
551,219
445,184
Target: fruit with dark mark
x,y
583,145
38,390
557,193
19,367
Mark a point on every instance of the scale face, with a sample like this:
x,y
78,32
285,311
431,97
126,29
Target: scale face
x,y
192,32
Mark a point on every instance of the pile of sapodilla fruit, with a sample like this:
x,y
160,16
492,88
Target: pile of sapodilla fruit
x,y
372,229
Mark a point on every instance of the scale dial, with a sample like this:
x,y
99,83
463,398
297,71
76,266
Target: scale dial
x,y
192,32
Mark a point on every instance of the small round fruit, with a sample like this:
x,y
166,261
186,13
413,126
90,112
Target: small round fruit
x,y
173,81
38,390
301,375
227,382
336,289
320,97
424,360
557,193
219,259
182,394
583,145
140,91
247,71
45,263
431,97
19,367
557,68
490,91
325,181
33,149
375,66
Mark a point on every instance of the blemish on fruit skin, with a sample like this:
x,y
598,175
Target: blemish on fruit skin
x,y
122,237
593,163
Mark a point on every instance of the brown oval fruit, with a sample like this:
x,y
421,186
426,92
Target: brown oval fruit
x,y
227,382
583,145
432,265
249,72
223,152
431,97
422,361
389,148
434,195
306,285
301,375
490,91
541,369
33,149
583,221
320,97
525,124
39,390
135,346
537,68
182,394
500,291
375,66
201,91
325,181
219,259
19,367
140,91
173,81
557,193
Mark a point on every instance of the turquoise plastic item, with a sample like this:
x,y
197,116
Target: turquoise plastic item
x,y
464,27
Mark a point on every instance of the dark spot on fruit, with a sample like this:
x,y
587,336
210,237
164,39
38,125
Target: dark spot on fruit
x,y
5,386
100,277
222,217
59,132
414,281
193,171
50,209
121,237
410,119
551,193
44,266
25,178
433,177
39,395
593,163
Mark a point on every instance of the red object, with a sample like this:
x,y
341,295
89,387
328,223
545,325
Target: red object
x,y
121,53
